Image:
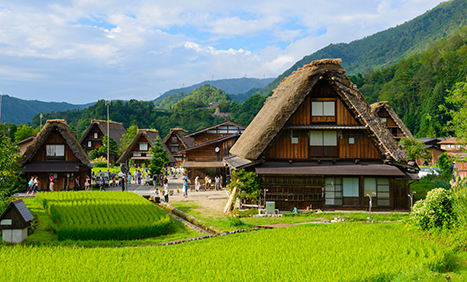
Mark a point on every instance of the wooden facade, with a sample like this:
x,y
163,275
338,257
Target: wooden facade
x,y
391,124
177,142
211,147
328,151
55,151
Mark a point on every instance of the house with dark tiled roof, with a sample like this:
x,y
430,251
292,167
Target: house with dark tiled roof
x,y
177,142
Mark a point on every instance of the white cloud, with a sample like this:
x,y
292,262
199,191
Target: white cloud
x,y
148,47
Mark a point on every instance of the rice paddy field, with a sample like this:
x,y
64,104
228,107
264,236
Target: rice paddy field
x,y
104,216
320,252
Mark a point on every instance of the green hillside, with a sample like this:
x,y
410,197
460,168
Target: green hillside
x,y
230,86
416,86
20,111
387,47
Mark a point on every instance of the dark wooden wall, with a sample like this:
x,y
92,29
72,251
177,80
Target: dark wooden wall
x,y
54,138
205,137
96,143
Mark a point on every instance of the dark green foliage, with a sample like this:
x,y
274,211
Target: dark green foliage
x,y
416,149
10,179
387,47
113,147
127,138
93,154
247,183
445,163
201,97
23,131
159,158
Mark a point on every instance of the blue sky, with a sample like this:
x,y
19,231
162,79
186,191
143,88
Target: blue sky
x,y
81,51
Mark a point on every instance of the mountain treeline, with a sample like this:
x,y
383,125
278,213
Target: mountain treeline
x,y
389,46
190,113
416,86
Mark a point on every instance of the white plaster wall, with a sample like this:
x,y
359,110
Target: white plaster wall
x,y
14,235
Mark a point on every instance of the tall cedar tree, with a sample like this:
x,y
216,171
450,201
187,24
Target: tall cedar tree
x,y
113,147
159,158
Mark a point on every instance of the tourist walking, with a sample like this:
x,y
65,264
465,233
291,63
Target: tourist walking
x,y
51,183
216,182
129,177
147,179
30,185
35,185
87,184
185,185
197,184
76,184
123,183
135,176
166,190
102,184
139,177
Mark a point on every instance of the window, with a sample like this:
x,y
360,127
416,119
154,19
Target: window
x,y
333,189
143,146
89,144
384,120
324,108
96,135
323,138
174,148
350,187
294,136
136,154
174,139
380,188
351,140
55,150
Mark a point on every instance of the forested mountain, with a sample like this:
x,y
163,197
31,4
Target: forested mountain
x,y
230,86
20,111
144,114
416,86
387,47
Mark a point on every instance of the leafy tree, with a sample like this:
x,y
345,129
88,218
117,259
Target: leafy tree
x,y
94,154
127,138
159,158
247,183
24,131
458,98
445,163
113,149
10,179
416,149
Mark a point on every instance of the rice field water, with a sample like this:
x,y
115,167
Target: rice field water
x,y
337,252
104,215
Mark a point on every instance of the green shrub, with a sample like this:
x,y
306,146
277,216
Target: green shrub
x,y
434,212
99,162
459,196
248,184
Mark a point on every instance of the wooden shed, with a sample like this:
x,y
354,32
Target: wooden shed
x,y
15,222
317,142
392,121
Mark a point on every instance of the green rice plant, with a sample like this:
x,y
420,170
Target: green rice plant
x,y
322,252
103,216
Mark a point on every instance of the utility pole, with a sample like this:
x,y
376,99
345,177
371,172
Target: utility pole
x,y
107,103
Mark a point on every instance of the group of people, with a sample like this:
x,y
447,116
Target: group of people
x,y
33,185
165,191
208,182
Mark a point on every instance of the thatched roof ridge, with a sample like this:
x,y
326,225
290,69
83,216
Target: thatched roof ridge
x,y
289,95
116,130
181,134
151,136
62,127
384,104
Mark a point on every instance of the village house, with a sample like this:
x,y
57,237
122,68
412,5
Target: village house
x,y
211,147
391,120
55,151
432,144
177,142
138,150
456,148
24,144
94,134
317,143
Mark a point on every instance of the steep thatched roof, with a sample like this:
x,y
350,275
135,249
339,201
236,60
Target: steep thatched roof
x,y
116,130
62,127
181,135
151,136
385,105
289,95
226,122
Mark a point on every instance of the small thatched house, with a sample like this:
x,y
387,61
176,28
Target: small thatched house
x,y
317,143
177,142
55,151
94,134
211,147
138,150
392,121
